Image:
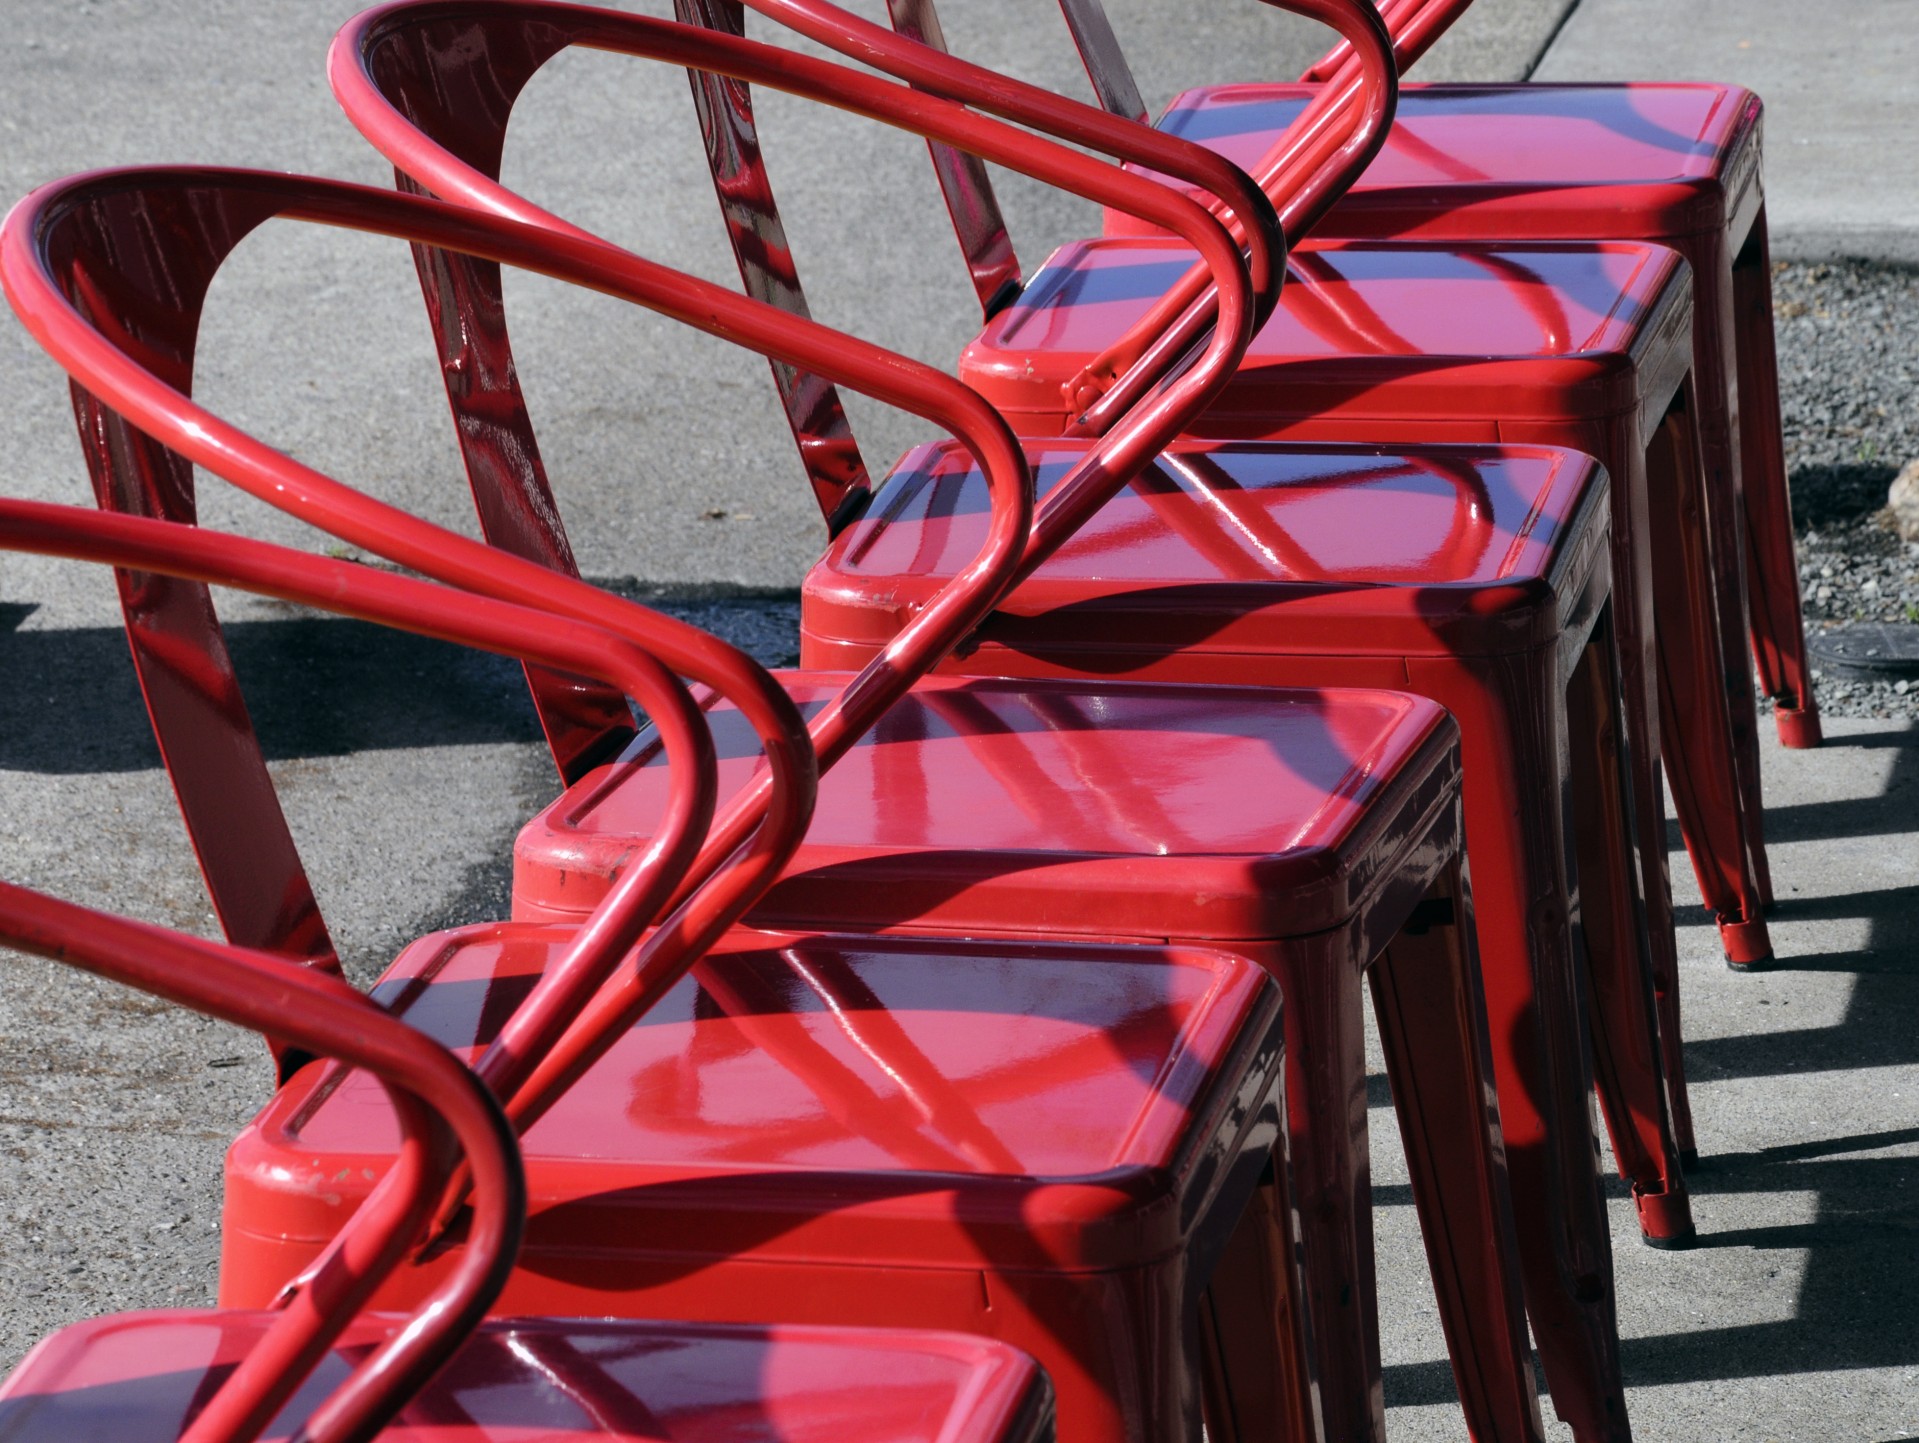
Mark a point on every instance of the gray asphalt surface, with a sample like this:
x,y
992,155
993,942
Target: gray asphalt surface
x,y
1837,78
315,337
406,768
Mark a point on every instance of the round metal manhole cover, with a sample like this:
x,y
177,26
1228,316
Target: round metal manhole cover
x,y
1868,650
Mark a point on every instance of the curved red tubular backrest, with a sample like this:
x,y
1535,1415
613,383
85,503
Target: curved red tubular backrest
x,y
914,51
637,898
454,71
917,54
1416,26
467,109
61,242
1308,169
443,1109
62,237
443,170
450,169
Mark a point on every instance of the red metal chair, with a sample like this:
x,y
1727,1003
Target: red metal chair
x,y
1586,346
1561,318
1180,1167
316,1363
418,84
1314,137
1098,618
1678,164
430,60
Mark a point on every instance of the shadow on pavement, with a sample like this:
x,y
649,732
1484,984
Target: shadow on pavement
x,y
316,686
1861,1274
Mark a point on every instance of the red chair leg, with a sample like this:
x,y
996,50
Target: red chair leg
x,y
1695,726
1332,1184
1124,1367
1598,679
1778,627
1509,725
1256,1390
1450,1125
1623,970
1727,520
1635,651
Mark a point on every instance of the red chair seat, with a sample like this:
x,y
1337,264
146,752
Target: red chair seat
x,y
1234,813
893,1133
1039,1097
1464,343
1467,162
1262,550
134,1377
1676,163
1301,829
1471,575
1588,346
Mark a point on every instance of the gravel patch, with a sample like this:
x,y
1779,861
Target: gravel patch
x,y
1848,334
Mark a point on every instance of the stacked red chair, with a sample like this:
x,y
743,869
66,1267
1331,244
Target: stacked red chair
x,y
395,70
1674,164
1325,136
1677,164
1565,318
319,1362
1363,843
1563,558
1584,345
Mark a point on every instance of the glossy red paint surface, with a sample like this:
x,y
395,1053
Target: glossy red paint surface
x,y
1470,575
1223,813
1231,547
136,1378
1486,162
1480,334
871,1102
491,49
1677,163
1046,1145
1466,574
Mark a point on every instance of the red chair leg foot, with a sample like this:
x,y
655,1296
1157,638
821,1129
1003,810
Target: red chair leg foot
x,y
1746,942
1665,1217
1799,728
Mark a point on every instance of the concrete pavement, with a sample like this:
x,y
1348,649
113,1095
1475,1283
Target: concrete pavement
x,y
1791,1321
1841,84
406,769
646,430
